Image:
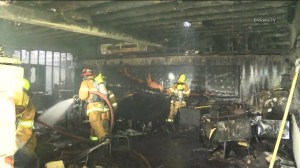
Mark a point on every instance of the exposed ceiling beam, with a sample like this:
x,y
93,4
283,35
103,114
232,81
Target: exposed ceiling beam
x,y
224,31
247,30
64,6
35,32
45,19
87,38
63,35
244,6
280,43
219,16
54,33
116,6
265,33
219,25
242,20
159,9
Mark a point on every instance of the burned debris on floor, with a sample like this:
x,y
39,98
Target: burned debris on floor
x,y
229,135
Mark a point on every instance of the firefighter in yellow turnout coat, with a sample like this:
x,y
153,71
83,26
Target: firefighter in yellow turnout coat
x,y
97,111
25,138
178,91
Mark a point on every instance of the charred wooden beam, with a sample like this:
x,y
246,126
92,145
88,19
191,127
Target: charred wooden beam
x,y
35,32
257,19
244,6
161,10
224,31
217,24
31,3
279,43
116,6
225,25
54,33
282,29
46,19
89,39
64,35
64,6
209,23
251,14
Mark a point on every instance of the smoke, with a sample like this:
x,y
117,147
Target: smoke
x,y
56,112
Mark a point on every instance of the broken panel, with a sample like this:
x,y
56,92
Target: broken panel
x,y
270,129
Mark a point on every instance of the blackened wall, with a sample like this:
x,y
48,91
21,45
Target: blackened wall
x,y
256,71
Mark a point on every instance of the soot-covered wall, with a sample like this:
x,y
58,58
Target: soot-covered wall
x,y
251,72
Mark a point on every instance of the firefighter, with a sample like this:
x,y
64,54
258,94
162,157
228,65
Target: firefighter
x,y
96,109
100,84
25,138
179,91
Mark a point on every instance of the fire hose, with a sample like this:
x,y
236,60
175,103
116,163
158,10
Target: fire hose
x,y
79,138
109,106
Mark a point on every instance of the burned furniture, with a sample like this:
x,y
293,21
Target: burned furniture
x,y
226,123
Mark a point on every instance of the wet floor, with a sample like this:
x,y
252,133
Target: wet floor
x,y
156,150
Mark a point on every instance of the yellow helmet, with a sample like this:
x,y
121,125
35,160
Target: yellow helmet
x,y
181,78
100,78
26,84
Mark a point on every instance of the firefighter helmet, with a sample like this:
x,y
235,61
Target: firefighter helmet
x,y
181,78
100,78
26,84
87,72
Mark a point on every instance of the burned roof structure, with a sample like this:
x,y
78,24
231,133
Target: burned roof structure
x,y
262,26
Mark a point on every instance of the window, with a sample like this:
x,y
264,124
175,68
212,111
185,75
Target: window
x,y
42,57
49,79
69,60
34,57
46,69
17,54
63,60
56,60
48,58
25,56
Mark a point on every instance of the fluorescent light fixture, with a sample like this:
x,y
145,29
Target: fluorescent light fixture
x,y
171,76
186,24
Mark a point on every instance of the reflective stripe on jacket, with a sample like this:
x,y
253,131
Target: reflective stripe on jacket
x,y
25,125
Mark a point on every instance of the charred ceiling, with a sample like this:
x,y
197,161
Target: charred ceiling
x,y
215,26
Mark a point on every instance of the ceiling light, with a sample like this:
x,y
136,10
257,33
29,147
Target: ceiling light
x,y
187,24
171,76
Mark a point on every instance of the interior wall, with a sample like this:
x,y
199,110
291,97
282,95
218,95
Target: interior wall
x,y
87,50
294,55
11,43
257,71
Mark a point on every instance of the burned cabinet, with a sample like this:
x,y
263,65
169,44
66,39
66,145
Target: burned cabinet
x,y
234,130
226,122
222,130
225,132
